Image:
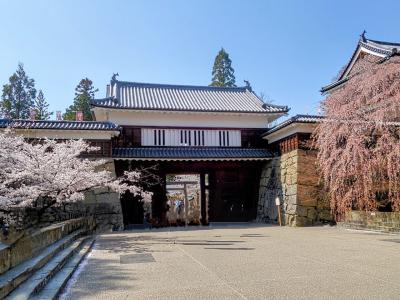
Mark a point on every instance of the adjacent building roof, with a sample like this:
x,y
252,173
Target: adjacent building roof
x,y
374,47
192,153
311,119
60,125
146,96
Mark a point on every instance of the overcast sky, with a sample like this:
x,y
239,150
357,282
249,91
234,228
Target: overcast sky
x,y
286,49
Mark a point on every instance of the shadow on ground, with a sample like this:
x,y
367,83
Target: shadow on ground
x,y
122,243
100,275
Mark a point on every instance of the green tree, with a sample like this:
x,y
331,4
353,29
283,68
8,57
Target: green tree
x,y
84,92
223,73
18,95
42,107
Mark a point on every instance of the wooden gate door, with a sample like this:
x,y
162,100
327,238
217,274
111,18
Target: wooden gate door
x,y
229,203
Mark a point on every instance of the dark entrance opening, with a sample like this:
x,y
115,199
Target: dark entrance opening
x,y
132,209
228,192
229,206
236,194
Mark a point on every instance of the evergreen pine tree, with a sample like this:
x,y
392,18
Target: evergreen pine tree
x,y
223,73
42,107
84,92
18,95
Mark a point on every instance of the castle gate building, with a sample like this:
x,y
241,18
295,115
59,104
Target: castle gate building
x,y
203,142
213,149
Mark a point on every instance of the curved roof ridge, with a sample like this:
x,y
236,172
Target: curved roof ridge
x,y
180,86
379,47
383,42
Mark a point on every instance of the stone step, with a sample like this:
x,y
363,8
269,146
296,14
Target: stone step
x,y
55,285
40,278
17,275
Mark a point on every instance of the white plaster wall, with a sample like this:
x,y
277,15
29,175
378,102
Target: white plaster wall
x,y
185,119
173,137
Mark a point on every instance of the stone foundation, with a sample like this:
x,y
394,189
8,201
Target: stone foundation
x,y
377,221
293,178
105,206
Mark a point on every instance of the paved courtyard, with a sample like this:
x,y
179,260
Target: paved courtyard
x,y
241,262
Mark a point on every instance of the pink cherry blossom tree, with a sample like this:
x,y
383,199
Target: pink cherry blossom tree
x,y
51,172
359,141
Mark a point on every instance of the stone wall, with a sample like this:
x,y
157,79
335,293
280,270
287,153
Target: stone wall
x,y
31,243
101,203
104,204
310,193
379,221
293,178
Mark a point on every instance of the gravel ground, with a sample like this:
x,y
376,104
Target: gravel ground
x,y
241,262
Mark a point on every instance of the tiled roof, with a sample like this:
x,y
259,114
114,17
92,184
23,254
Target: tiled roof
x,y
332,85
381,48
60,125
192,153
385,48
312,119
146,96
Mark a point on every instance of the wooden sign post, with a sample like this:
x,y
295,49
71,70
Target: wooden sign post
x,y
278,206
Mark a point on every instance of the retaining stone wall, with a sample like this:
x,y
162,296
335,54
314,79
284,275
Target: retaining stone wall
x,y
101,203
379,221
293,178
32,243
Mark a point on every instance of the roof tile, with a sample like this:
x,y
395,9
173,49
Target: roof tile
x,y
146,96
312,119
188,153
60,125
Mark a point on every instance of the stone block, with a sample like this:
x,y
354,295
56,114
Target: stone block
x,y
291,199
107,197
90,197
290,220
292,178
292,169
291,190
291,209
307,195
108,166
292,153
305,178
4,259
312,213
323,203
301,211
101,190
325,215
303,221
